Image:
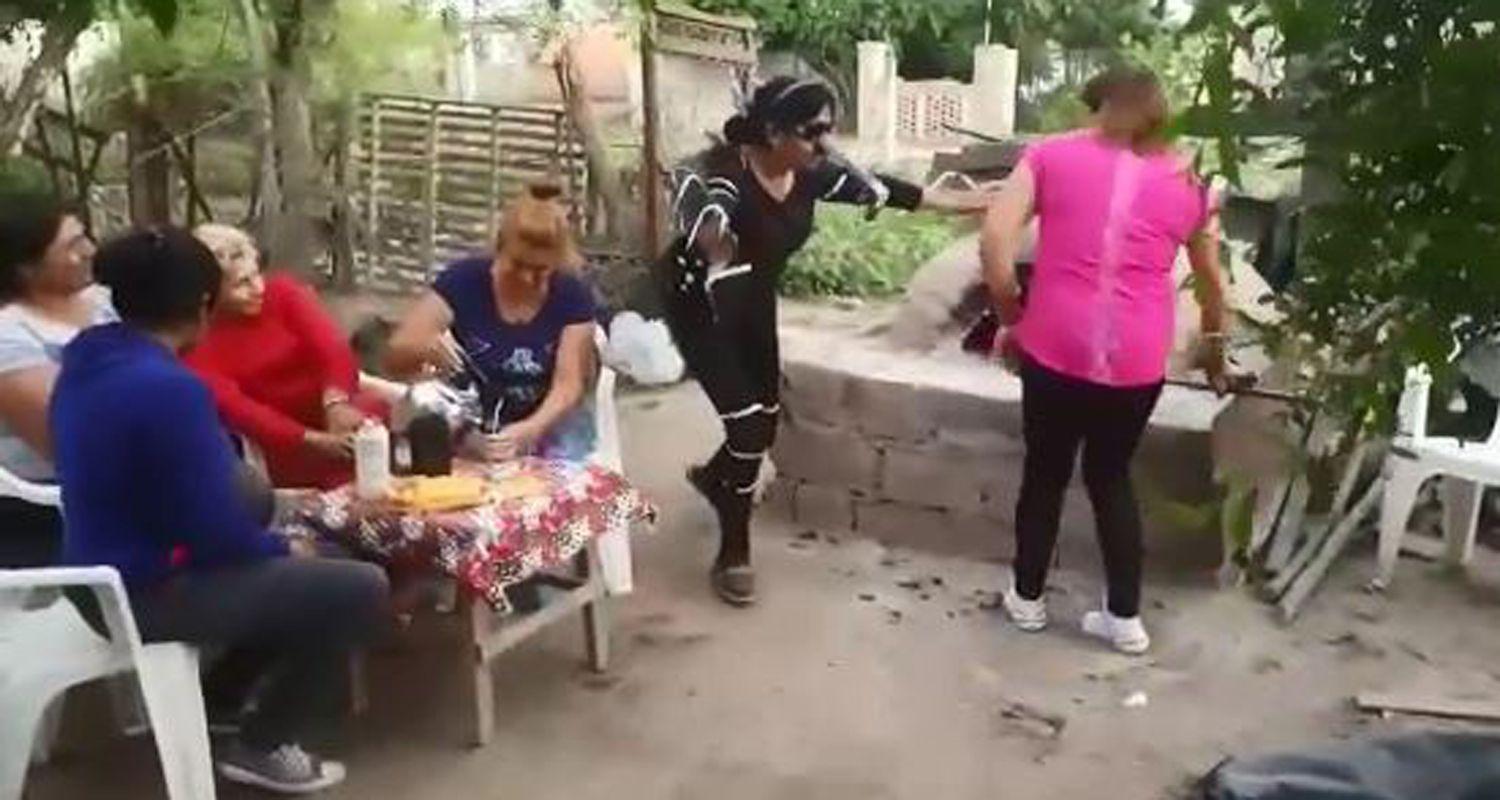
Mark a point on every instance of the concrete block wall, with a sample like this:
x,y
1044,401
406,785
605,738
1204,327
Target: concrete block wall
x,y
925,451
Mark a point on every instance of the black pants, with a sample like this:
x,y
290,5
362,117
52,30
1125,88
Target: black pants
x,y
730,347
288,625
30,535
1060,414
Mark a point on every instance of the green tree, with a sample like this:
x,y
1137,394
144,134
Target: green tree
x,y
1394,101
823,32
57,25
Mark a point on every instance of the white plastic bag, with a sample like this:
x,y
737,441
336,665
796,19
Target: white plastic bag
x,y
643,350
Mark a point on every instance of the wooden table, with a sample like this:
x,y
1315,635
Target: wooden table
x,y
549,533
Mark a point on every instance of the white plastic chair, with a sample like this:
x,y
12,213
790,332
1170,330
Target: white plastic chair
x,y
46,648
1465,469
614,548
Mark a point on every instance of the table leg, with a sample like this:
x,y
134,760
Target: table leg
x,y
596,613
359,685
483,684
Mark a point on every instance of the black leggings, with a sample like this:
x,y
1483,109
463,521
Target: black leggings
x,y
730,347
1060,414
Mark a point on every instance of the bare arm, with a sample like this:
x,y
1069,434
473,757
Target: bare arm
x,y
570,376
418,342
1208,274
950,201
24,395
1000,241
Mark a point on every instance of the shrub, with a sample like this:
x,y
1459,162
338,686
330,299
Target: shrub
x,y
851,257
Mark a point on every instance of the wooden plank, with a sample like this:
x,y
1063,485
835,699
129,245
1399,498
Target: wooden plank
x,y
1428,706
1303,586
429,189
511,633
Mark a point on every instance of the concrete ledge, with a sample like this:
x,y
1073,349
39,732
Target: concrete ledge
x,y
925,451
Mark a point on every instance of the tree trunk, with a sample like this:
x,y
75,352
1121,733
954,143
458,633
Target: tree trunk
x,y
16,109
147,145
264,219
620,220
296,243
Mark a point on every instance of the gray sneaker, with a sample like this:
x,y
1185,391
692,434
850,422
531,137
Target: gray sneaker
x,y
286,770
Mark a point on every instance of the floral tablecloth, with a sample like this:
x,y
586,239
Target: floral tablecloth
x,y
493,546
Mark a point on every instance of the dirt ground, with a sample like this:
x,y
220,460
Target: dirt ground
x,y
868,674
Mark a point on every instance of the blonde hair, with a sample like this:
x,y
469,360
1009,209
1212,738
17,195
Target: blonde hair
x,y
217,237
536,224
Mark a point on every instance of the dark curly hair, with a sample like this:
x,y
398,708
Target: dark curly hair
x,y
29,222
158,278
780,105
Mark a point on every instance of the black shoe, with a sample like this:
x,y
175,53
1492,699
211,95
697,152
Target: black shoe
x,y
734,585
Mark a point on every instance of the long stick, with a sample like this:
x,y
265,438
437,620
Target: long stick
x,y
1246,391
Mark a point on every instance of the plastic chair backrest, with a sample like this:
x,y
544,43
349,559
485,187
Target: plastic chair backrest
x,y
1411,411
606,417
42,494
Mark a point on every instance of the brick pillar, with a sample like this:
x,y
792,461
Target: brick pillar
x,y
995,72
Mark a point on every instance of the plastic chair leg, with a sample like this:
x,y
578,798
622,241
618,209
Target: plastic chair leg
x,y
1401,486
22,707
47,730
1461,499
174,701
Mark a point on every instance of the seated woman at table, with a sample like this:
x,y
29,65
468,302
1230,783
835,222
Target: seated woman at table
x,y
281,372
523,324
149,488
48,291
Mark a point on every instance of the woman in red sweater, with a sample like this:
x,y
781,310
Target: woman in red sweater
x,y
280,370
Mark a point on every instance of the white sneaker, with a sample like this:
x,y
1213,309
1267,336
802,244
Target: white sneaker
x,y
1126,634
1028,615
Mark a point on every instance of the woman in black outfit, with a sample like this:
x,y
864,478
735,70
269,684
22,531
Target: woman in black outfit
x,y
741,209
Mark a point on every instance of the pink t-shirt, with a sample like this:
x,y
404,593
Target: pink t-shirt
x,y
1101,302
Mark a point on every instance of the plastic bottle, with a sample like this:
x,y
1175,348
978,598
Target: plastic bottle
x,y
372,461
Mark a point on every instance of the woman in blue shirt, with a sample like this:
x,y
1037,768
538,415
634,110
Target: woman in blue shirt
x,y
523,323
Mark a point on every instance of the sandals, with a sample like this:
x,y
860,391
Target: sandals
x,y
734,585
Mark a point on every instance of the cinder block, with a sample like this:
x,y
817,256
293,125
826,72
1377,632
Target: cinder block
x,y
949,410
996,445
890,410
823,508
813,392
902,525
826,455
942,477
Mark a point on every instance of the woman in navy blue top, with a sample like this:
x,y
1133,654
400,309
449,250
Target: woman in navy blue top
x,y
523,323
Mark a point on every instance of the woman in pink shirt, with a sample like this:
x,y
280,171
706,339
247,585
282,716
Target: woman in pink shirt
x,y
1114,204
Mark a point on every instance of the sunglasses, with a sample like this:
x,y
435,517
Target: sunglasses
x,y
814,131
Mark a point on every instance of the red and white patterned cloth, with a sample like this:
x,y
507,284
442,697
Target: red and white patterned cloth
x,y
493,546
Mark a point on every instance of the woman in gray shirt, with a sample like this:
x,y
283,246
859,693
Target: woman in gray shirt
x,y
47,295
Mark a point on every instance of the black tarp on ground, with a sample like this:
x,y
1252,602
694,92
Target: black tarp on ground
x,y
1423,766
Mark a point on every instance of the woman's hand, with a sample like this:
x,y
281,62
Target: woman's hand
x,y
1215,364
1008,351
343,418
513,441
331,445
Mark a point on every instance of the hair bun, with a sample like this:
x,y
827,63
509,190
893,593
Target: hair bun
x,y
544,191
739,130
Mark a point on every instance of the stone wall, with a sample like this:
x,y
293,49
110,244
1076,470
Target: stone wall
x,y
925,451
